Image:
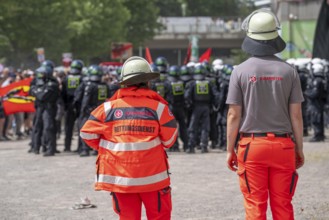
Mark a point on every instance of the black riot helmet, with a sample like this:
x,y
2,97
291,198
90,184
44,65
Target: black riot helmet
x,y
44,72
162,64
95,73
76,67
49,64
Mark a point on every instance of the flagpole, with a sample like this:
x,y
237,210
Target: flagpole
x,y
179,54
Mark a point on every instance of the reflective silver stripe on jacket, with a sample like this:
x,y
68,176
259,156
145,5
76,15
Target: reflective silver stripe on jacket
x,y
107,108
88,136
129,146
171,140
126,181
160,110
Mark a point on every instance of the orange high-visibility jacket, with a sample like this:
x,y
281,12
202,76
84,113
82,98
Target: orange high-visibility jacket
x,y
130,132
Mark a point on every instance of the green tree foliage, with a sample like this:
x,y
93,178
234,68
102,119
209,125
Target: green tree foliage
x,y
169,8
94,25
84,27
88,27
26,25
143,22
212,8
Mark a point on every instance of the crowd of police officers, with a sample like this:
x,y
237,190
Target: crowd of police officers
x,y
196,94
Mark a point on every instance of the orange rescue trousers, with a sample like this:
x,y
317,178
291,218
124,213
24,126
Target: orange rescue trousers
x,y
157,204
267,170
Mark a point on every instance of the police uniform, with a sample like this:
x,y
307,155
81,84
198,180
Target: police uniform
x,y
46,93
175,97
158,85
78,96
303,76
223,108
95,93
213,133
69,86
200,94
316,97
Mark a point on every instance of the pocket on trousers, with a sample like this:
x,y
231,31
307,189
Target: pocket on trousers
x,y
115,203
164,199
243,179
293,184
289,145
243,150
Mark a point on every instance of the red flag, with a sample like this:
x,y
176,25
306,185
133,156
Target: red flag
x,y
148,56
188,54
16,98
205,56
121,50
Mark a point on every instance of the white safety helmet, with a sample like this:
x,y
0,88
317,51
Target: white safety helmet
x,y
325,62
318,69
262,24
217,62
136,70
218,67
190,64
316,61
301,64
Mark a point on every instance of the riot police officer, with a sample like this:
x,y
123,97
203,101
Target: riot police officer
x,y
185,74
114,85
213,133
70,83
78,96
200,94
301,67
95,93
223,108
46,93
316,95
157,85
39,138
174,94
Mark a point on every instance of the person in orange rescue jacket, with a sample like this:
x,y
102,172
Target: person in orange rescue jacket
x,y
130,133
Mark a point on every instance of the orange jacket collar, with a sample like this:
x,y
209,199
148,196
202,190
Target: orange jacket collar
x,y
138,92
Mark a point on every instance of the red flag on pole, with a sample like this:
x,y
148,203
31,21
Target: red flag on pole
x,y
148,56
15,97
205,56
188,54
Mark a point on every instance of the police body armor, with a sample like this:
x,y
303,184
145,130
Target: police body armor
x,y
316,94
160,88
73,82
201,91
212,80
95,93
177,91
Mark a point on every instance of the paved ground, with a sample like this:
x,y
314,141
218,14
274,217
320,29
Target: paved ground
x,y
34,187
